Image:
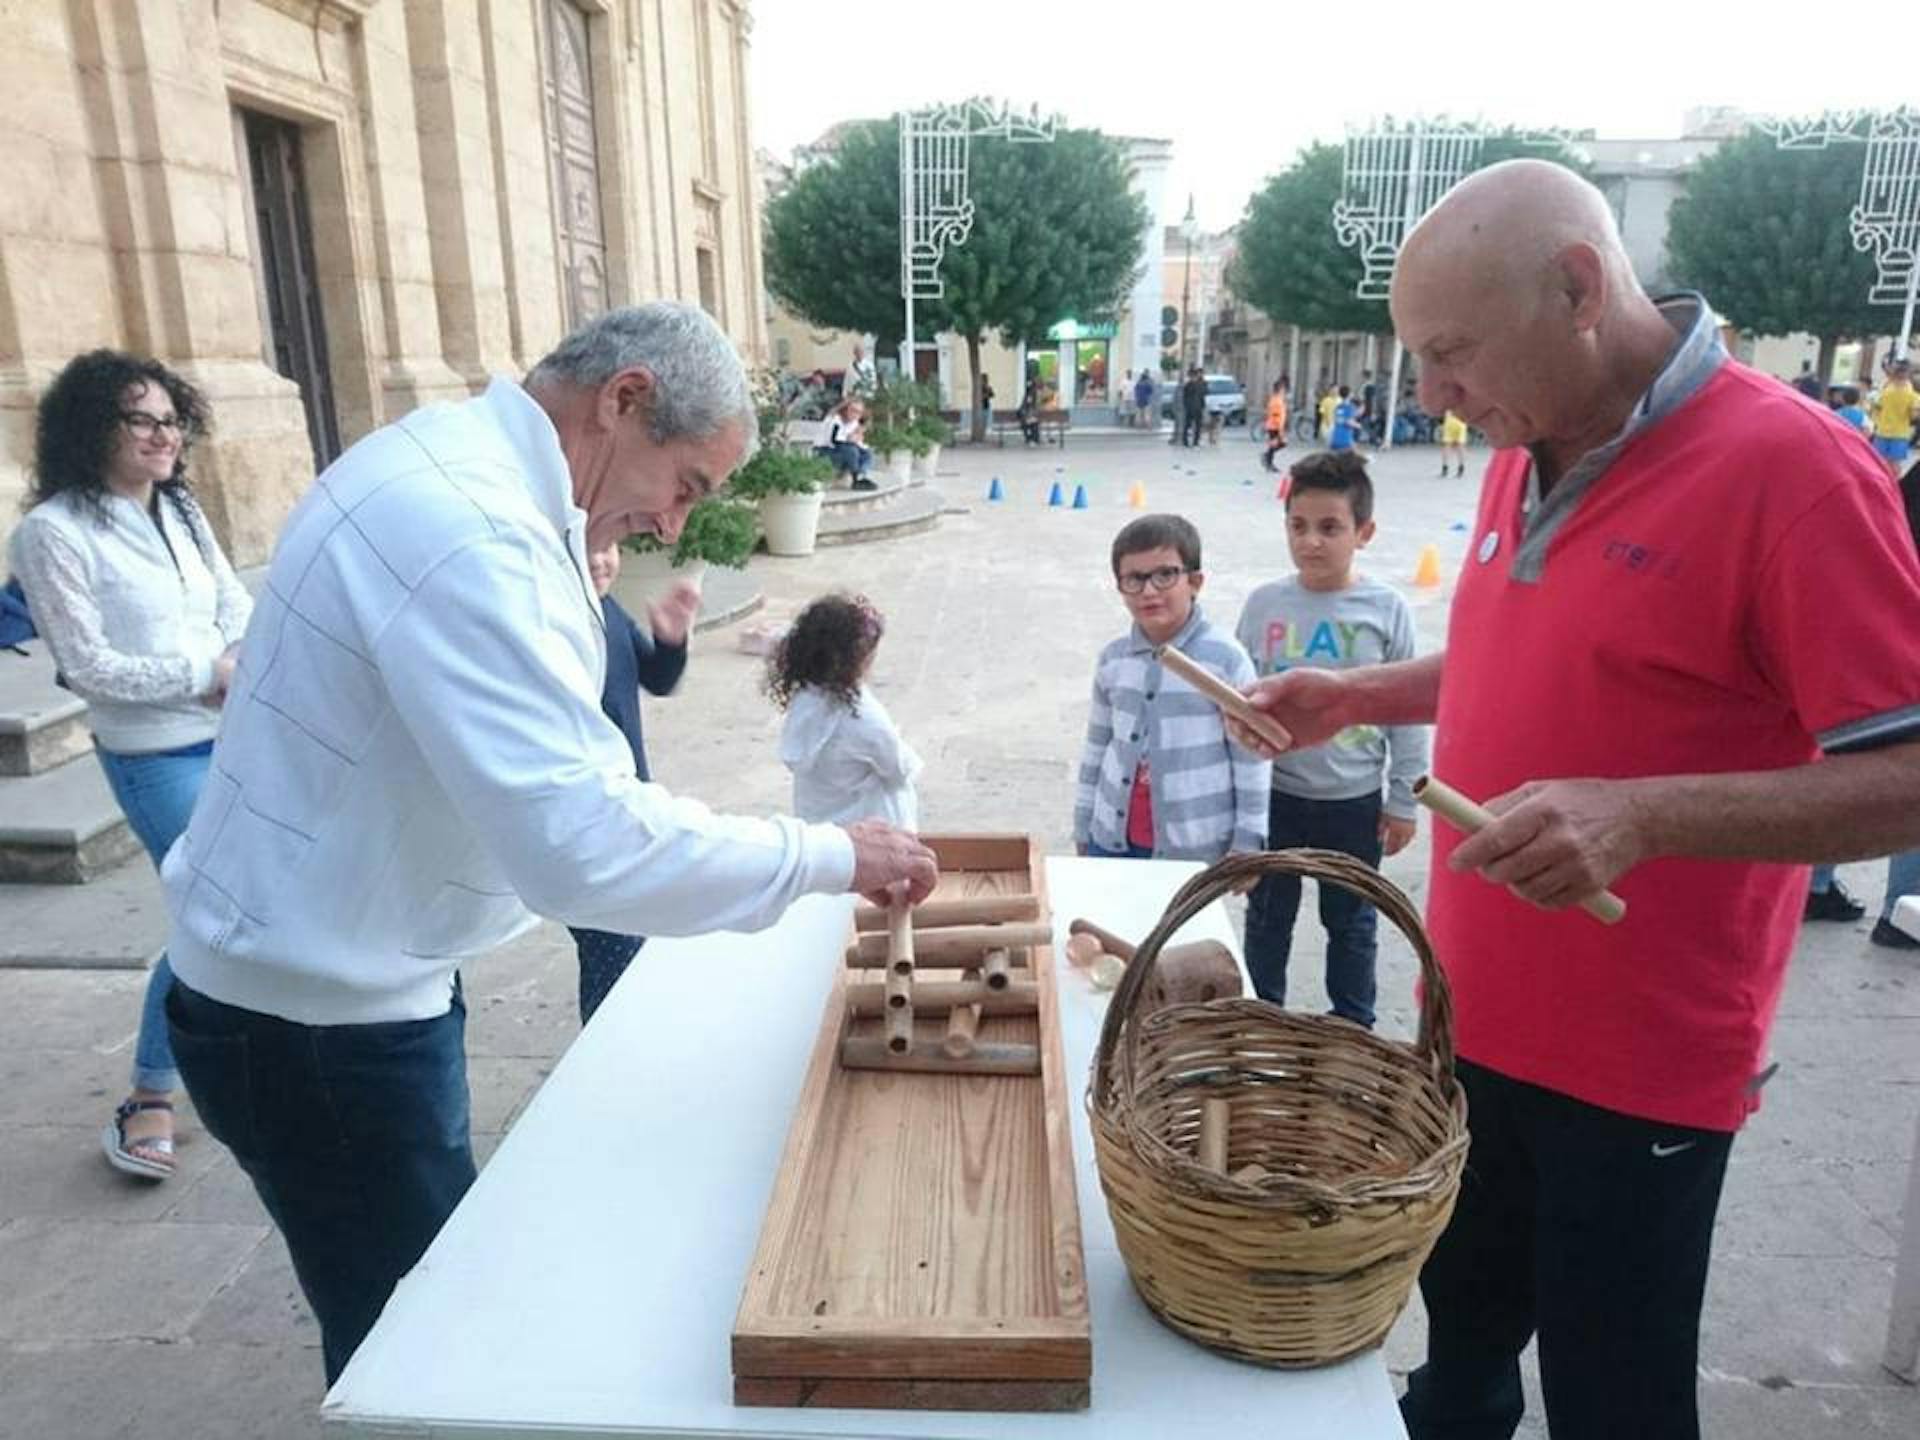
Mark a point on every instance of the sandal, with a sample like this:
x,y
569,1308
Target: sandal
x,y
151,1158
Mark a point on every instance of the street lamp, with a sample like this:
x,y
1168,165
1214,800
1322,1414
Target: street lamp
x,y
1189,227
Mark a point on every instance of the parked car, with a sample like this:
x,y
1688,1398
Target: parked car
x,y
1225,398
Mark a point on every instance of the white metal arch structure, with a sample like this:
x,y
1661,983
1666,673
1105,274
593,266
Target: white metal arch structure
x,y
935,209
1885,221
1389,179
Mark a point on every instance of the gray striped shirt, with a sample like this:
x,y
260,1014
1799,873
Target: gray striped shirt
x,y
1209,795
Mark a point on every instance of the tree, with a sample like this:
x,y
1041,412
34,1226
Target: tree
x,y
1287,261
1057,233
1762,233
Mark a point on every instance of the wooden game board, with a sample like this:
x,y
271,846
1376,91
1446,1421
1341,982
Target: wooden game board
x,y
922,1246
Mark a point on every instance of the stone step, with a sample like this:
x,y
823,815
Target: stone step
x,y
845,501
916,509
61,826
117,922
41,725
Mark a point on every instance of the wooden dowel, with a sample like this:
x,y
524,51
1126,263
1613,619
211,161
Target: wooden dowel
x,y
899,990
899,1029
937,997
1470,818
1214,1115
900,941
866,1052
963,1023
1226,697
997,968
973,910
962,945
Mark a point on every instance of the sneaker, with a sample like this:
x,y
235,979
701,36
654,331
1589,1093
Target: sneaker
x,y
1886,933
1834,904
863,483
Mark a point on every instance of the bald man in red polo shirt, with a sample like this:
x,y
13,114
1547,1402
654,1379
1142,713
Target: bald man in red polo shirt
x,y
1682,663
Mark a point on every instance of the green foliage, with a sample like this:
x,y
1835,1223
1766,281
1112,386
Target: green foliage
x,y
1057,232
886,438
1287,261
777,469
721,530
1763,233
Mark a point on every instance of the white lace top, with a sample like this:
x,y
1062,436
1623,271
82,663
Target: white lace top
x,y
134,612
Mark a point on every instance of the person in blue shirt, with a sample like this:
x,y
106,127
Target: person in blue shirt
x,y
1346,422
653,656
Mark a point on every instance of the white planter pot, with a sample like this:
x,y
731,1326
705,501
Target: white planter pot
x,y
900,467
644,578
791,522
926,466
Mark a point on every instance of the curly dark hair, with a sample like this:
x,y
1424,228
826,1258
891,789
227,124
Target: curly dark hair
x,y
79,424
828,645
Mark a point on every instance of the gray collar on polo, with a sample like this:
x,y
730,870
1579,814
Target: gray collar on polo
x,y
1697,355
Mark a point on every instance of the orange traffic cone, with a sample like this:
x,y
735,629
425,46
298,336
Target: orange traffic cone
x,y
1137,496
1426,574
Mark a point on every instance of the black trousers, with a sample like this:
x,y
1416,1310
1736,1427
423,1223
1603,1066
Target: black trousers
x,y
1592,1228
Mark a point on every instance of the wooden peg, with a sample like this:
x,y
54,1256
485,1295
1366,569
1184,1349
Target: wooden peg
x,y
959,945
937,997
997,968
973,910
1215,1116
963,1022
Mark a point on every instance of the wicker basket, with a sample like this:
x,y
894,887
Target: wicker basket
x,y
1362,1140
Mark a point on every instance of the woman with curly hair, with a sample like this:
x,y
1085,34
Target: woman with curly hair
x,y
143,616
848,761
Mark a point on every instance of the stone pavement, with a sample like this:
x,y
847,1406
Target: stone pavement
x,y
171,1311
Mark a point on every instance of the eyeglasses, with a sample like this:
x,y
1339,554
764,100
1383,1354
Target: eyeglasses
x,y
144,425
1132,582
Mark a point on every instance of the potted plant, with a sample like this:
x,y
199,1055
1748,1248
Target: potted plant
x,y
893,443
720,530
932,433
789,487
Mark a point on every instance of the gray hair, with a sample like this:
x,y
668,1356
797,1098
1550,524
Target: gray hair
x,y
700,386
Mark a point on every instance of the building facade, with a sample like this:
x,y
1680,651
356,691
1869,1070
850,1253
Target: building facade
x,y
327,212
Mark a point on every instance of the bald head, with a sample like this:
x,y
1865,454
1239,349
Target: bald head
x,y
1518,298
1507,227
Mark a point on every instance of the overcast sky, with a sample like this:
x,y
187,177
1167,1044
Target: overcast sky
x,y
1239,87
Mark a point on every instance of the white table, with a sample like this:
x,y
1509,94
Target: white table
x,y
588,1282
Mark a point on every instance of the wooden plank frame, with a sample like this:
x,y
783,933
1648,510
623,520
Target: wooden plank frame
x,y
921,1248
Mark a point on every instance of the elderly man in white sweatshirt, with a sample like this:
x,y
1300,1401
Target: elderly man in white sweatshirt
x,y
413,763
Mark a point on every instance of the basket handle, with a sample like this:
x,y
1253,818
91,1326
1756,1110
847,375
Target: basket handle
x,y
1433,1040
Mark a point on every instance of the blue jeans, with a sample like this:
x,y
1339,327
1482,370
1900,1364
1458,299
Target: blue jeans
x,y
854,460
604,957
1903,878
156,792
355,1137
1353,828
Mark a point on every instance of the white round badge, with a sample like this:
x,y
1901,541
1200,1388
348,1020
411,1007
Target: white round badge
x,y
1489,546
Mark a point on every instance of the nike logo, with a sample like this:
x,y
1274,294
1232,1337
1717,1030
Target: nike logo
x,y
1661,1152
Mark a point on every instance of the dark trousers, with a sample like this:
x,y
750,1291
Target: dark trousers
x,y
1132,852
1592,1228
1353,828
604,958
355,1138
1190,422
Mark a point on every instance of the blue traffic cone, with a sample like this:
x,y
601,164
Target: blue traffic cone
x,y
1079,497
994,492
1054,497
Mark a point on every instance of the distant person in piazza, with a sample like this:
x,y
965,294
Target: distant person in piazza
x,y
413,764
1686,581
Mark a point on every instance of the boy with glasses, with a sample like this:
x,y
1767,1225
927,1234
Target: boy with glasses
x,y
1158,776
1329,797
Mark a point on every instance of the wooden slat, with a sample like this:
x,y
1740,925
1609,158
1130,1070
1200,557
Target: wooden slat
x,y
961,945
923,1231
